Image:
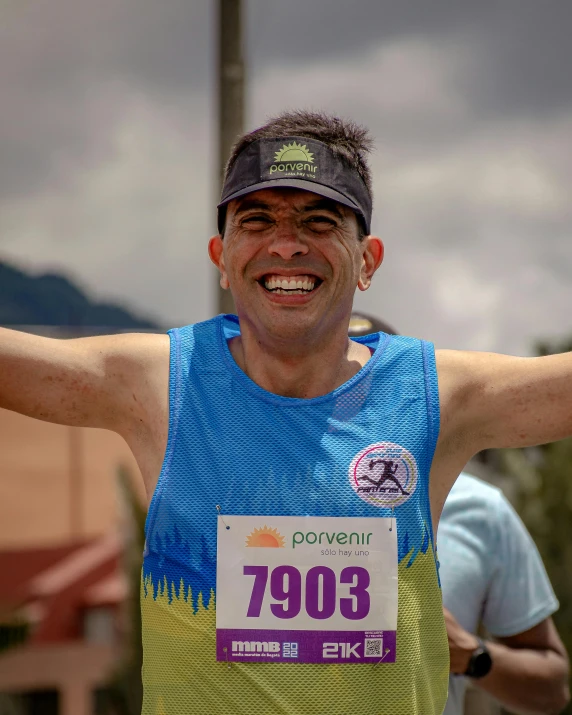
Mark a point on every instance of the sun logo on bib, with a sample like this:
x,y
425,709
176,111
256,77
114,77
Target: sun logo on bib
x,y
266,537
383,474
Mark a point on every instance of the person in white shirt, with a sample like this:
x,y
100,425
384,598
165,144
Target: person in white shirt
x,y
492,574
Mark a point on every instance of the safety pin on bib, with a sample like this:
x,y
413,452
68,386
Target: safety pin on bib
x,y
223,521
387,652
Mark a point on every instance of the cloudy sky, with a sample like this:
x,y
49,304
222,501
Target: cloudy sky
x,y
108,144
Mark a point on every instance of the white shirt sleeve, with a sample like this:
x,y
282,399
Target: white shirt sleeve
x,y
520,595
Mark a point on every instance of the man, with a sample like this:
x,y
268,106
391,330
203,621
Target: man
x,y
263,431
491,572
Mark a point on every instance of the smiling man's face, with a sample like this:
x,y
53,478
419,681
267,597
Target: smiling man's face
x,y
293,260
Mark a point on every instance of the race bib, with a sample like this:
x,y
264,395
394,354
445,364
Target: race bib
x,y
306,589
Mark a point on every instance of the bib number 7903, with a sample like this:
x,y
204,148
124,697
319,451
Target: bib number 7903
x,y
319,592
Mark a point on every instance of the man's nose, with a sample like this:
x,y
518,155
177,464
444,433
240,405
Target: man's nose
x,y
286,242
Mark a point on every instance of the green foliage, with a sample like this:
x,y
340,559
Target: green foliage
x,y
11,705
124,693
543,499
13,634
545,506
542,478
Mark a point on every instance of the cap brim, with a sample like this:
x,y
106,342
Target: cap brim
x,y
311,186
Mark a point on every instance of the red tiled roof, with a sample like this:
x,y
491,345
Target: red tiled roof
x,y
50,587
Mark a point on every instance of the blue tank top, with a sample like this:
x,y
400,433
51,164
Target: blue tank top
x,y
363,450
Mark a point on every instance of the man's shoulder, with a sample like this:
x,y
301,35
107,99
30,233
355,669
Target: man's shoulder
x,y
474,503
228,323
478,505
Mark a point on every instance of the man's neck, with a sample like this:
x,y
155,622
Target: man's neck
x,y
305,374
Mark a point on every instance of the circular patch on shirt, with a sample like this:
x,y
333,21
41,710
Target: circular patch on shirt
x,y
383,474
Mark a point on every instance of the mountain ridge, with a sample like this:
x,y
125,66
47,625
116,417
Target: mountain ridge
x,y
51,299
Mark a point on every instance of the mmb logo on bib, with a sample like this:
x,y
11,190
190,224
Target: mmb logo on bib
x,y
383,474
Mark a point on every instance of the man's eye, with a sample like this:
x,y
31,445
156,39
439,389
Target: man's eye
x,y
321,222
253,221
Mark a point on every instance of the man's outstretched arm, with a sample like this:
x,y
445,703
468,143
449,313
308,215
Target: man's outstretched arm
x,y
504,401
108,381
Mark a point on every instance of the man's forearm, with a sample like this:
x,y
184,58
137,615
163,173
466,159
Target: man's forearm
x,y
533,681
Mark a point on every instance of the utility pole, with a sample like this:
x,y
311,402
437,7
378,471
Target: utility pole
x,y
230,99
76,481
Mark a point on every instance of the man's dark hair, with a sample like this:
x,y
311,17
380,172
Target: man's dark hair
x,y
345,138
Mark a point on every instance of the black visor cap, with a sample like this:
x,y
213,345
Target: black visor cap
x,y
300,163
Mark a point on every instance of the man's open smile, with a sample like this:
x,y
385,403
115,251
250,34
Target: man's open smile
x,y
301,284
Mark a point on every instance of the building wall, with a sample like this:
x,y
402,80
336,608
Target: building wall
x,y
37,460
75,670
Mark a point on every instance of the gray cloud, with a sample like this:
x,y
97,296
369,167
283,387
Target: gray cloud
x,y
524,52
523,46
66,68
108,136
295,32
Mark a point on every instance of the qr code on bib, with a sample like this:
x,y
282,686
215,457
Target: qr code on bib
x,y
372,647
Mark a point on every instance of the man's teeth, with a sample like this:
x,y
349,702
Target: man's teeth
x,y
297,285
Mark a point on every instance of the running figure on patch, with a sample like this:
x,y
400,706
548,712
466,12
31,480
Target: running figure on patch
x,y
389,469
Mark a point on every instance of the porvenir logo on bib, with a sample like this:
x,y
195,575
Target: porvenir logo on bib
x,y
383,474
293,159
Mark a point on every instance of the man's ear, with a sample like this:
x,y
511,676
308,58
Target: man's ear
x,y
216,254
372,259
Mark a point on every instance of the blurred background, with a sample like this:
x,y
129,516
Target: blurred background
x,y
114,119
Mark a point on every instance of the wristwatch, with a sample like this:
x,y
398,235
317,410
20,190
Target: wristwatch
x,y
480,662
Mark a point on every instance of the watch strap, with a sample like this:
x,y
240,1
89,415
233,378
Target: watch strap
x,y
480,662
